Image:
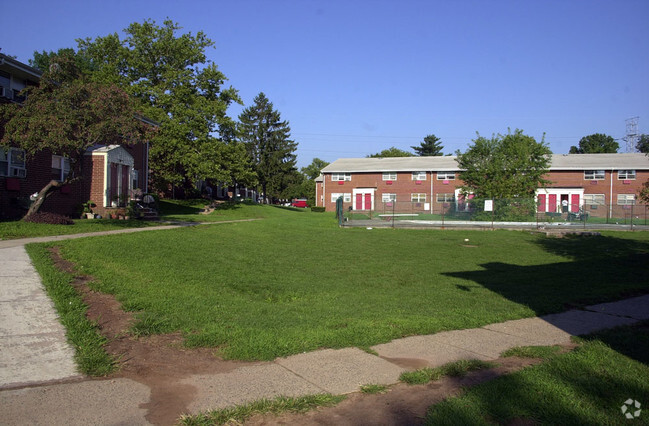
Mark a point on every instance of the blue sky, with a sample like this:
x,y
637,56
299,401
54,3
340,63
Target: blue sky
x,y
355,77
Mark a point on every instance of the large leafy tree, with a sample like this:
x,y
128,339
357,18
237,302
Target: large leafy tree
x,y
313,170
596,143
391,152
66,114
430,147
177,86
268,142
643,144
504,166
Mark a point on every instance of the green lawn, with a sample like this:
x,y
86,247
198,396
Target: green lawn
x,y
587,386
295,282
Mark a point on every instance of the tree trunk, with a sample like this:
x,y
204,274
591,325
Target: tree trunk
x,y
42,196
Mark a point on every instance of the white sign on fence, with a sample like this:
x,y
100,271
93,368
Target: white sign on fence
x,y
488,205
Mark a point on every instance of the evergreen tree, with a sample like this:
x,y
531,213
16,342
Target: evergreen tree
x,y
268,143
430,147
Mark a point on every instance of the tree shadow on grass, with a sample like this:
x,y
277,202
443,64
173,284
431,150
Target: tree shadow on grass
x,y
602,269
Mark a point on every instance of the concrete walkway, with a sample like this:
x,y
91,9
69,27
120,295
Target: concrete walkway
x,y
34,354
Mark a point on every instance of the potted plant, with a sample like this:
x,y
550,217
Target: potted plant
x,y
114,200
87,209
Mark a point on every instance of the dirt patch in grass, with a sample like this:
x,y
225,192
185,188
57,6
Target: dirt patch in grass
x,y
161,362
158,361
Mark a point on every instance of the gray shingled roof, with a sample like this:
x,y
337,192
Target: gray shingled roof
x,y
448,163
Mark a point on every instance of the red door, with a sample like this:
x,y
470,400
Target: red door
x,y
368,201
359,201
541,203
574,203
552,203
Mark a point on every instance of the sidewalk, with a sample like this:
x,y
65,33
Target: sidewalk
x,y
39,383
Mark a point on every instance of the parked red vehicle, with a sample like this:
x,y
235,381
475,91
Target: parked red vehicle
x,y
299,202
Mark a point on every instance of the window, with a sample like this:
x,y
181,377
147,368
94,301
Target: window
x,y
12,162
626,174
389,176
419,197
445,175
594,199
347,198
418,175
339,177
625,199
446,198
60,167
594,174
386,198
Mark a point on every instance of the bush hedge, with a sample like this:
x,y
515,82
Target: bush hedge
x,y
318,209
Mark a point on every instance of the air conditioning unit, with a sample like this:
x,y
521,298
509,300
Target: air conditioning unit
x,y
19,172
6,92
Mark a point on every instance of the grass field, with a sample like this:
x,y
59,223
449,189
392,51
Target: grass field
x,y
587,386
295,282
19,229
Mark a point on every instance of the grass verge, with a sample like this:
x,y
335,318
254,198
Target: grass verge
x,y
83,334
586,386
454,369
541,352
275,406
374,389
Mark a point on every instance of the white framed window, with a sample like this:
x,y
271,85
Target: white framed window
x,y
389,176
445,175
594,174
418,197
418,175
626,174
386,198
12,162
594,199
625,199
339,177
347,197
60,167
446,198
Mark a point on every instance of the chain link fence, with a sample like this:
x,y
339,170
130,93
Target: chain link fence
x,y
488,212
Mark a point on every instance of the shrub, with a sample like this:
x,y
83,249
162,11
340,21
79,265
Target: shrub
x,y
317,209
49,218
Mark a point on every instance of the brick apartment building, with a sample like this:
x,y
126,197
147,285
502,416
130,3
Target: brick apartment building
x,y
605,183
110,173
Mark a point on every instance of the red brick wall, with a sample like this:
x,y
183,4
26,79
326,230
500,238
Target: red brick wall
x,y
404,186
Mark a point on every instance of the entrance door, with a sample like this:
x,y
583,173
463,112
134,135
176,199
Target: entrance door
x,y
368,202
359,201
541,203
574,203
552,203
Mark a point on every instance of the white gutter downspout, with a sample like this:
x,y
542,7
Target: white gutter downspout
x,y
431,192
610,206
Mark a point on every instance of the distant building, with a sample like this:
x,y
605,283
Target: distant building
x,y
607,184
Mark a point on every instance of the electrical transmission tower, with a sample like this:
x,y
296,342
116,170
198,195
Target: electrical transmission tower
x,y
631,137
